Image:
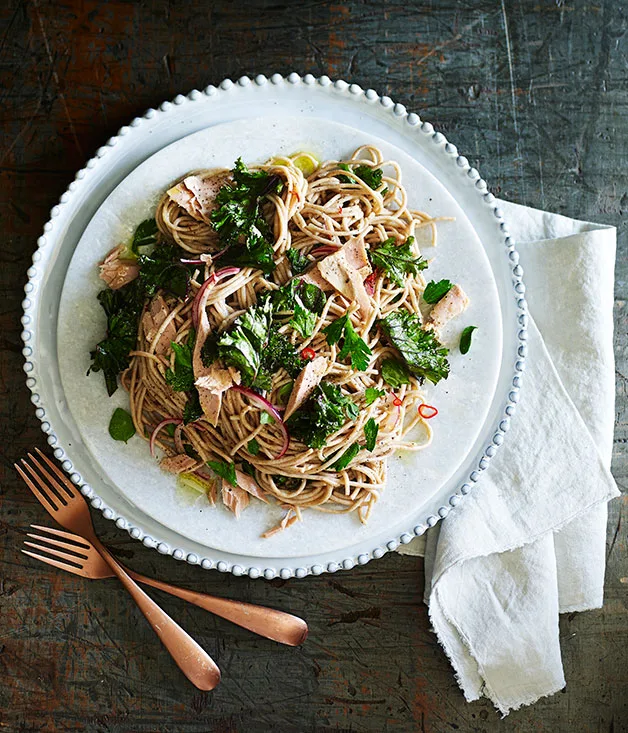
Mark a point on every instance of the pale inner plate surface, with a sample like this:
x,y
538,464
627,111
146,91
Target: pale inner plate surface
x,y
463,399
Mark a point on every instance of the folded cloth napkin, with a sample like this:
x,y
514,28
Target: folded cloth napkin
x,y
528,542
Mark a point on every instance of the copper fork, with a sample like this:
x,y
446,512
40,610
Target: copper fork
x,y
76,555
66,504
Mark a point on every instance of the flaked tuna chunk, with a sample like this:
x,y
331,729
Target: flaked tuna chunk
x,y
314,277
153,319
181,463
448,307
197,194
234,498
216,379
346,280
210,401
307,381
289,518
248,484
118,272
356,256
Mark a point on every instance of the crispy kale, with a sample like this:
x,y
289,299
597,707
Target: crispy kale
x,y
423,354
326,411
396,260
239,218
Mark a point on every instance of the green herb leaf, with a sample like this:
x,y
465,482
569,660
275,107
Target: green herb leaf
x,y
123,309
372,393
371,176
170,428
325,412
283,393
225,470
239,218
346,458
162,270
394,373
397,260
121,425
248,468
266,419
434,291
334,331
353,345
298,261
241,346
371,428
303,321
145,235
253,447
192,410
182,378
312,297
465,339
423,354
304,300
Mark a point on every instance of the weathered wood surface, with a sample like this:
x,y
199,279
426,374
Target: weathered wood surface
x,y
535,93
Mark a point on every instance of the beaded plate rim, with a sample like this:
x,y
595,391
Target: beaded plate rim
x,y
30,323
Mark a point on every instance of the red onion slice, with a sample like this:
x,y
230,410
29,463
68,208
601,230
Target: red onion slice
x,y
162,424
211,280
326,249
264,404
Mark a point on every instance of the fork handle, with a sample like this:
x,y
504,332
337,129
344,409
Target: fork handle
x,y
276,625
191,658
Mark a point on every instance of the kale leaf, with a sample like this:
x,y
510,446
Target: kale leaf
x,y
145,235
371,176
241,346
192,410
394,373
346,458
325,412
239,218
305,300
181,379
371,428
298,261
162,270
123,309
423,354
397,260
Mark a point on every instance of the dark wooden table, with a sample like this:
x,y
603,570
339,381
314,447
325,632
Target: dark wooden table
x,y
535,93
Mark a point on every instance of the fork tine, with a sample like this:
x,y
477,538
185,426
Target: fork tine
x,y
40,481
70,488
38,490
69,558
60,490
50,561
74,552
77,539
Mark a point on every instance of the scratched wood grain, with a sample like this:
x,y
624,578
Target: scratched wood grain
x,y
535,93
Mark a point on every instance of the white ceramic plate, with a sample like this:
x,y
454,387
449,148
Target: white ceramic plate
x,y
122,480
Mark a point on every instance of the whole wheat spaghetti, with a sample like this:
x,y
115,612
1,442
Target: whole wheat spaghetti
x,y
314,211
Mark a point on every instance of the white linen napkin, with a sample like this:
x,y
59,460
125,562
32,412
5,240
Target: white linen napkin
x,y
528,542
